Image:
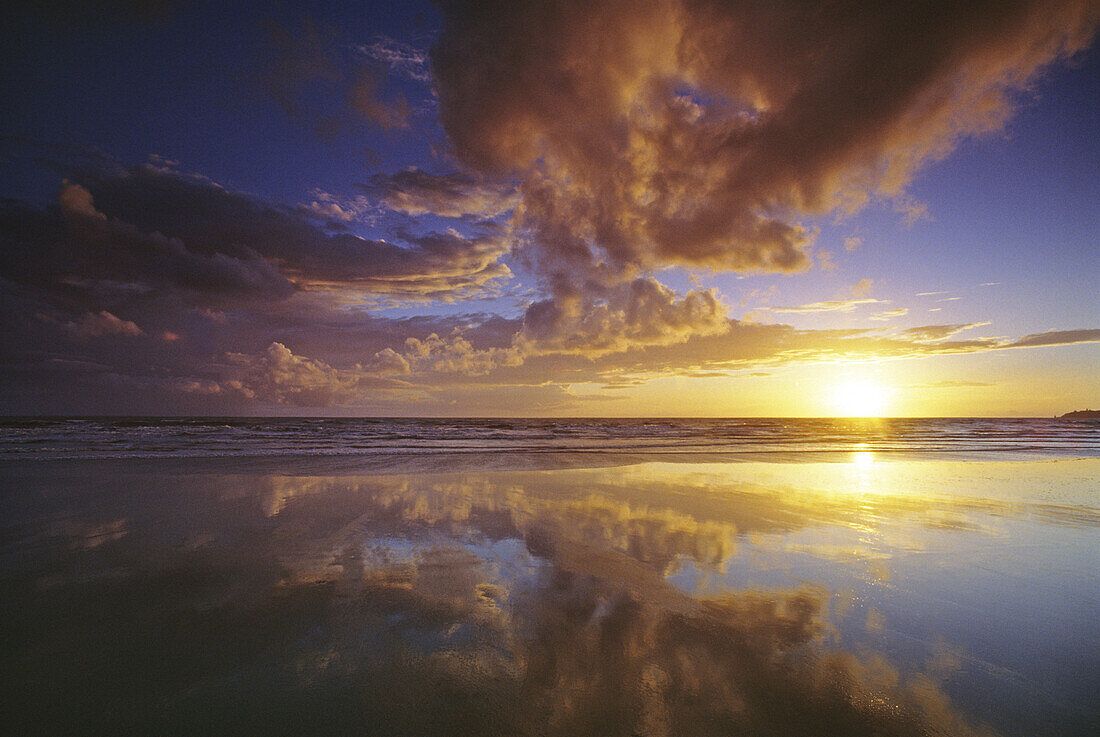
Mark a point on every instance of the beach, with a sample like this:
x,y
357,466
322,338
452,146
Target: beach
x,y
871,584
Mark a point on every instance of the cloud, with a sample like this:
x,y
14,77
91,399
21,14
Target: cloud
x,y
210,387
442,266
642,312
225,241
850,298
346,359
747,345
891,314
277,375
282,377
417,192
388,362
75,201
912,211
836,305
399,56
299,62
701,133
178,255
344,209
1056,337
948,384
456,355
933,333
862,288
91,325
77,250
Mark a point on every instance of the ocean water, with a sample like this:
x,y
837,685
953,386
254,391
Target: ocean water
x,y
85,438
531,577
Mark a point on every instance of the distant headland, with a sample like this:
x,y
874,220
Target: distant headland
x,y
1081,414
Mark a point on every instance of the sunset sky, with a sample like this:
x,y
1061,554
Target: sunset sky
x,y
541,207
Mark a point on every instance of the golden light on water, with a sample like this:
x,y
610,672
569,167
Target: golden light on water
x,y
860,398
863,459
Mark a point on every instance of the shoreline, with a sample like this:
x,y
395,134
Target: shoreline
x,y
405,462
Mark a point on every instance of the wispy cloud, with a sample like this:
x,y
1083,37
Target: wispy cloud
x,y
341,208
399,56
315,78
932,333
948,384
1055,337
836,305
891,314
453,195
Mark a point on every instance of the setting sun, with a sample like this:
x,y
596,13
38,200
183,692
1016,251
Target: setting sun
x,y
859,398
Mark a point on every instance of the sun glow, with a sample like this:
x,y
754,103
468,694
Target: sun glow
x,y
859,398
863,459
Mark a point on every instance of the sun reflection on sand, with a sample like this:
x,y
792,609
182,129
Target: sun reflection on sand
x,y
863,459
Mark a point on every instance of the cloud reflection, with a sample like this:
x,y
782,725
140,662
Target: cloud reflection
x,y
464,603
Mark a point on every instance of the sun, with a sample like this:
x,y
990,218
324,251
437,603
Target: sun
x,y
859,398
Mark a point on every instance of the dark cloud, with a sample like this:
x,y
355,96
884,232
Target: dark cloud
x,y
77,254
315,77
266,249
700,132
1056,337
91,325
278,376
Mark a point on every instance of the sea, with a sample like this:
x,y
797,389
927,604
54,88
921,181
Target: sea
x,y
333,576
179,437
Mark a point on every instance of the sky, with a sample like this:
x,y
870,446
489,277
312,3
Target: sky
x,y
550,208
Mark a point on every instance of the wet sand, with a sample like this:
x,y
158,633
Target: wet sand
x,y
551,595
